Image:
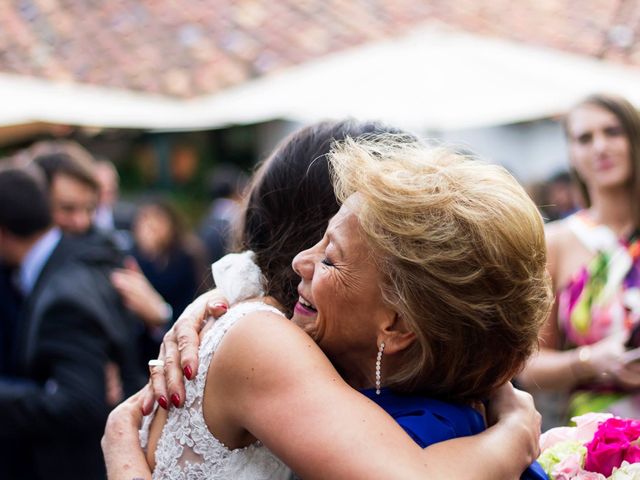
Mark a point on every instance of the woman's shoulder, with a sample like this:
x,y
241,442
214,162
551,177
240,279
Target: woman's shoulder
x,y
580,227
267,348
266,330
559,232
562,239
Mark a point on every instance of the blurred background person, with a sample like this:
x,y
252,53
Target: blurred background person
x,y
55,401
561,197
594,259
171,261
10,301
73,187
10,304
226,184
77,183
112,216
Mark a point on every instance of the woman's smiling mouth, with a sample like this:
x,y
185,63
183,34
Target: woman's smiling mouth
x,y
304,307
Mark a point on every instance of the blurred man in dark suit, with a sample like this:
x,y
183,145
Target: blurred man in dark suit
x,y
72,325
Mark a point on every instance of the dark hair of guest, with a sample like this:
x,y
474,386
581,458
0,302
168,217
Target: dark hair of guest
x,y
62,163
24,204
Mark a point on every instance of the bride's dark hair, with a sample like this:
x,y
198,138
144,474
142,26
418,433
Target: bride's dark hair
x,y
290,202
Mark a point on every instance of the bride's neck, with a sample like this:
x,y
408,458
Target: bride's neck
x,y
274,303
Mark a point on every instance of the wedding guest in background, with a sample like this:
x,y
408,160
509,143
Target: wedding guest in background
x,y
72,184
10,304
170,260
561,196
226,185
73,324
74,192
594,259
112,216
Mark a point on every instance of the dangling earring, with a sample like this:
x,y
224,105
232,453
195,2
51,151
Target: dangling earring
x,y
378,365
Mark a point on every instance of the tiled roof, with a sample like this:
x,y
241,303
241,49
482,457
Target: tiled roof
x,y
186,48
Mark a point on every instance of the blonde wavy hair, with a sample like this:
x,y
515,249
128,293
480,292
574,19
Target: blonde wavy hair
x,y
461,249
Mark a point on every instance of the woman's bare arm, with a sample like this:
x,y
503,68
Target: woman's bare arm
x,y
499,452
284,391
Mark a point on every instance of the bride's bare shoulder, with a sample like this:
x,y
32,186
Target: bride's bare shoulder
x,y
265,349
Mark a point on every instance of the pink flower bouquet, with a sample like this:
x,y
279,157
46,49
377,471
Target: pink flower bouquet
x,y
599,447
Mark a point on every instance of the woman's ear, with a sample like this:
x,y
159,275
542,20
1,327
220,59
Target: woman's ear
x,y
396,335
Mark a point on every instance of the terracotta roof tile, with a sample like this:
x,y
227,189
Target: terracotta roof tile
x,y
193,48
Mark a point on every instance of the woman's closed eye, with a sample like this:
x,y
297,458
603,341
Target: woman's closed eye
x,y
327,262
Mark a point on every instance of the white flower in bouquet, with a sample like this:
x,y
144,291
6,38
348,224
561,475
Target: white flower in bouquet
x,y
626,471
563,460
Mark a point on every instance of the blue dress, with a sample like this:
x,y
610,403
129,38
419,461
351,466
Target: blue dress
x,y
430,421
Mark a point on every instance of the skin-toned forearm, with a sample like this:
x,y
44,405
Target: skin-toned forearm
x,y
140,297
123,455
490,452
132,468
503,451
553,370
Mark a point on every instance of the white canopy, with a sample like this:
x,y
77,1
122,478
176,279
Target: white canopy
x,y
431,79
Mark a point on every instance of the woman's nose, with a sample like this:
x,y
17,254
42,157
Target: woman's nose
x,y
600,143
303,264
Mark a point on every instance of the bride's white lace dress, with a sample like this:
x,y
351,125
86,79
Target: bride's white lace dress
x,y
187,450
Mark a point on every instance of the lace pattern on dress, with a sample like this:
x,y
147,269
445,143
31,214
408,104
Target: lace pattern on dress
x,y
187,449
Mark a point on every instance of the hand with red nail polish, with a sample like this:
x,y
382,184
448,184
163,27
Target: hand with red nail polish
x,y
216,310
162,401
179,349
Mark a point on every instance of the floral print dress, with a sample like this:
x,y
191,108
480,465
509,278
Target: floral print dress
x,y
602,298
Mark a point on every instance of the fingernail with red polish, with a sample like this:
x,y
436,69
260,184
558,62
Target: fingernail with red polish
x,y
162,401
175,399
188,372
221,306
